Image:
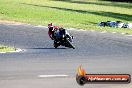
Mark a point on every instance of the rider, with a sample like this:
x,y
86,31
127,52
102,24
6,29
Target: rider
x,y
51,33
56,33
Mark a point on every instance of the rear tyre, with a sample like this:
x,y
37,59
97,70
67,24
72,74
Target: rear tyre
x,y
56,47
55,44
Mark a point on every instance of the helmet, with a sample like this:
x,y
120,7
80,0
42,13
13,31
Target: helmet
x,y
56,27
50,25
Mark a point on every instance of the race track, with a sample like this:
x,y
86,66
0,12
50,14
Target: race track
x,y
97,52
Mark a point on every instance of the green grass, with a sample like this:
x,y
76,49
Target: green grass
x,y
82,14
6,49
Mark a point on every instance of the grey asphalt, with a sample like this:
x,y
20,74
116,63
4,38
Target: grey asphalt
x,y
96,52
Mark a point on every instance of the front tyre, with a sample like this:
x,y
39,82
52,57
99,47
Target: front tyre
x,y
69,44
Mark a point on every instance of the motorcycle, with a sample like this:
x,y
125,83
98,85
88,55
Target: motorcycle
x,y
62,37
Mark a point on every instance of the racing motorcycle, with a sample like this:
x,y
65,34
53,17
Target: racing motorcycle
x,y
63,38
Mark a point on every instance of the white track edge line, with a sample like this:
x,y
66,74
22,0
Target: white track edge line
x,y
51,76
17,50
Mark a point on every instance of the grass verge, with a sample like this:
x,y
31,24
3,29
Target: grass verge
x,y
81,14
6,49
